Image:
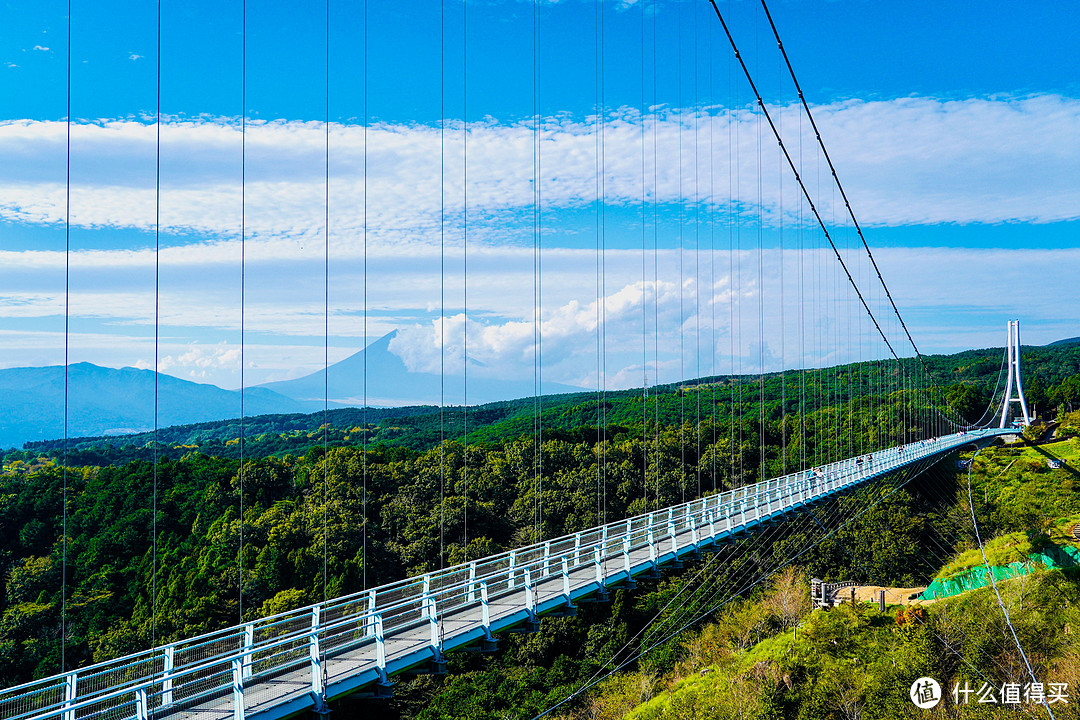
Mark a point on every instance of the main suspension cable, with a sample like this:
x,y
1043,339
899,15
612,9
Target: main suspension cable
x,y
802,185
847,204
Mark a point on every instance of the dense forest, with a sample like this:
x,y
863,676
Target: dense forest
x,y
383,473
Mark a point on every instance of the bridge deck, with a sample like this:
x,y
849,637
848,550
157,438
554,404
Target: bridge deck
x,y
279,666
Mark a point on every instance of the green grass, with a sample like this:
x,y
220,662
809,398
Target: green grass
x,y
1002,550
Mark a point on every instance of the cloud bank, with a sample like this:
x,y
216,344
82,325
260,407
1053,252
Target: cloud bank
x,y
904,161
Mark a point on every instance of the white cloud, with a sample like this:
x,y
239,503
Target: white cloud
x,y
199,360
134,56
903,161
41,48
952,298
911,160
560,335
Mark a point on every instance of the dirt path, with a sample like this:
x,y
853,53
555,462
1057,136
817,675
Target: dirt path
x,y
869,593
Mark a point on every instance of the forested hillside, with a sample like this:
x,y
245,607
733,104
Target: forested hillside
x,y
393,499
385,520
967,379
855,661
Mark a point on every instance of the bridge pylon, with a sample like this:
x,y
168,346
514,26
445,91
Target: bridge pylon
x,y
1013,350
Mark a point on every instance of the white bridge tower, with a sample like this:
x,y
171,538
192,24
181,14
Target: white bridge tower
x,y
1013,349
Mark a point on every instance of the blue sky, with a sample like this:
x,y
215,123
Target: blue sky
x,y
953,128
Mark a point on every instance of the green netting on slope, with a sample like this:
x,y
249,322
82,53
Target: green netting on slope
x,y
1054,556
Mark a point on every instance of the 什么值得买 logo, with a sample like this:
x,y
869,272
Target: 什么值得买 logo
x,y
925,693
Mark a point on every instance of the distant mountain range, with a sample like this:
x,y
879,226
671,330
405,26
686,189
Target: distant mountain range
x,y
109,401
1066,341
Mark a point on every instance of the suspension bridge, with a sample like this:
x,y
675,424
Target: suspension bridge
x,y
298,661
285,664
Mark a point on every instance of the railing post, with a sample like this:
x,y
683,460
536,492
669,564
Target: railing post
x,y
249,643
238,688
433,624
530,599
471,595
566,579
71,682
626,555
674,541
141,710
577,549
167,669
547,557
316,654
380,648
651,538
693,533
369,620
511,570
427,592
485,610
599,567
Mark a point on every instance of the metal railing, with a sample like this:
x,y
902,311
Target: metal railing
x,y
274,661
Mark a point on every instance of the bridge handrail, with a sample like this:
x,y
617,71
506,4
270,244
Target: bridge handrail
x,y
606,538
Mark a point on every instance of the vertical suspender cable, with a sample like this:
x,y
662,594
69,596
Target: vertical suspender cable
x,y
802,319
326,301
538,359
157,317
682,317
732,119
760,294
783,325
738,407
539,292
536,280
644,304
601,265
67,335
324,664
712,259
598,133
243,285
697,263
363,465
442,283
465,267
656,266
